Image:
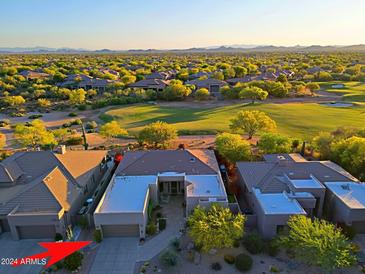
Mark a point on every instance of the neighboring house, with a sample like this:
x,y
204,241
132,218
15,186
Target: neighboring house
x,y
145,176
314,69
42,191
286,179
86,82
213,85
345,203
162,75
244,79
155,84
34,75
266,76
199,75
109,71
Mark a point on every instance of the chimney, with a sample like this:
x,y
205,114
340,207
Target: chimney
x,y
61,149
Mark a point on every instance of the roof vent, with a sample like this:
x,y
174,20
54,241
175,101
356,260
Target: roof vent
x,y
346,186
192,160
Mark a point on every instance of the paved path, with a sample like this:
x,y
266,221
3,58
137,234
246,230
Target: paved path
x,y
115,255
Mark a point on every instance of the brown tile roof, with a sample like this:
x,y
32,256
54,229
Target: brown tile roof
x,y
156,161
62,177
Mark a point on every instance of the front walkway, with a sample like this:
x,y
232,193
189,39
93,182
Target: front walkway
x,y
174,212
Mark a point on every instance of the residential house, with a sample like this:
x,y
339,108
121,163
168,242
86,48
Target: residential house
x,y
244,79
34,75
42,191
86,82
200,74
155,84
286,184
145,176
161,75
212,84
345,203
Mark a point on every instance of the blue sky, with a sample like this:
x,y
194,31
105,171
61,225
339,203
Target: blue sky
x,y
125,24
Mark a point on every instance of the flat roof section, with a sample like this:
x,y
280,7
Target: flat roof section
x,y
126,194
278,203
350,193
205,185
306,183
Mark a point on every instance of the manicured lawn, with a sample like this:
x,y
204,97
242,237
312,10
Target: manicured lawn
x,y
352,91
296,120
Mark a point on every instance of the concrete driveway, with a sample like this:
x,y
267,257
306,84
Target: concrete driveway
x,y
116,255
18,249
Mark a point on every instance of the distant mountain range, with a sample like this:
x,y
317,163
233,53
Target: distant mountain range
x,y
226,48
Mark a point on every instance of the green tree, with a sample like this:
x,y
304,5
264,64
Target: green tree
x,y
112,129
60,134
240,71
218,75
157,133
14,100
34,134
202,94
216,227
312,86
253,93
350,154
233,147
43,102
318,242
175,91
128,79
77,96
252,122
322,142
274,143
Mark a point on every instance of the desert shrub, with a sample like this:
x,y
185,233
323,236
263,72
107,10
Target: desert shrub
x,y
82,107
97,236
272,248
72,114
216,266
274,269
162,224
243,262
35,116
4,123
176,244
168,258
91,125
58,237
74,141
73,261
229,259
151,229
253,243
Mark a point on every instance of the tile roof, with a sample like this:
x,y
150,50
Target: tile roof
x,y
153,162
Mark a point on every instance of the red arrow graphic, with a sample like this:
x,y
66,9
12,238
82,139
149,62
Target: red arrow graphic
x,y
56,251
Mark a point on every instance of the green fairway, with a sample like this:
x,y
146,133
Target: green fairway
x,y
352,91
296,120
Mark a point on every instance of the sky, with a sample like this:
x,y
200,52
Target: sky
x,y
167,24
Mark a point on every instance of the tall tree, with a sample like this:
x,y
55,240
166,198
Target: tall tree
x,y
318,242
112,129
274,143
157,133
216,227
233,147
252,122
34,134
77,96
253,93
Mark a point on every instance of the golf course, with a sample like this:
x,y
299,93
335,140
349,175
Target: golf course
x,y
293,119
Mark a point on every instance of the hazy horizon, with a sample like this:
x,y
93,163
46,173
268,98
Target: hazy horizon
x,y
159,24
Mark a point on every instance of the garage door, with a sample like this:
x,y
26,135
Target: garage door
x,y
120,230
359,227
37,232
